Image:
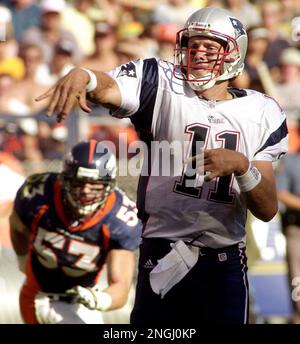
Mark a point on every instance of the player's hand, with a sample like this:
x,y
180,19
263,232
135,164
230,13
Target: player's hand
x,y
86,296
92,298
44,312
66,92
220,162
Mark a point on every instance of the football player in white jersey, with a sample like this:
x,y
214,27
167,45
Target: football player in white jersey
x,y
193,249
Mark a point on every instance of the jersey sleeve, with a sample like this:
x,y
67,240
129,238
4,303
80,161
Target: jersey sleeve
x,y
275,139
138,84
125,227
129,79
29,196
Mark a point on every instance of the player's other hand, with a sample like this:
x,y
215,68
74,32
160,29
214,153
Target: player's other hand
x,y
67,91
223,162
44,311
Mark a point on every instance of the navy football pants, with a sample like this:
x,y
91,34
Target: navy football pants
x,y
215,291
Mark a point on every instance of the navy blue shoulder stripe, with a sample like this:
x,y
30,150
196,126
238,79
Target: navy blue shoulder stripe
x,y
275,137
238,92
142,119
144,179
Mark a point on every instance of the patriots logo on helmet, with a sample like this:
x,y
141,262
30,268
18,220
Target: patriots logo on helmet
x,y
238,27
127,70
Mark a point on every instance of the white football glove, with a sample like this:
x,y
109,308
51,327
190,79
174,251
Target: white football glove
x,y
44,312
92,298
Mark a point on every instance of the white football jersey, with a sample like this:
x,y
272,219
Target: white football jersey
x,y
173,202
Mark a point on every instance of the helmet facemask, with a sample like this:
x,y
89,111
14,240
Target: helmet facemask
x,y
219,62
88,178
84,195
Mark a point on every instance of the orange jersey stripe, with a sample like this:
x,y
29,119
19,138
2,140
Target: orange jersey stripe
x,y
90,221
27,295
93,144
58,202
106,237
38,216
106,240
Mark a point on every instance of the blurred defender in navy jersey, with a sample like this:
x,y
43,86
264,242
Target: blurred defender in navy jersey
x,y
193,248
64,228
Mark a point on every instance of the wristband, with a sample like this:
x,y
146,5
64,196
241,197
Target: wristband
x,y
92,84
249,180
103,301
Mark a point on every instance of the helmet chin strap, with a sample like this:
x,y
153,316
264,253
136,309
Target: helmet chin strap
x,y
203,85
83,210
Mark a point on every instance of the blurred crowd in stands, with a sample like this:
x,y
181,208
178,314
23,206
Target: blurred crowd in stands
x,y
44,39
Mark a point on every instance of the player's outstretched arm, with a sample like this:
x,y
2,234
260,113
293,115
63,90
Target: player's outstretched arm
x,y
72,89
120,269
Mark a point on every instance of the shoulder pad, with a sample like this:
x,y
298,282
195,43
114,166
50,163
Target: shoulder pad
x,y
34,185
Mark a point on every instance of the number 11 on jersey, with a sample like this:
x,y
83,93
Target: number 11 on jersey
x,y
222,191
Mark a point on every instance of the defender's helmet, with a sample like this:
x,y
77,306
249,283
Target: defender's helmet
x,y
218,24
88,162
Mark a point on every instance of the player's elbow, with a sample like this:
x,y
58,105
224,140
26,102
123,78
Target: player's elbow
x,y
267,218
267,214
120,292
119,301
123,301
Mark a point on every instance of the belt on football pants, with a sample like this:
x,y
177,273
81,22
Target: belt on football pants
x,y
59,297
203,250
213,251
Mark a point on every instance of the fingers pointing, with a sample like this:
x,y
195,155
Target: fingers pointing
x,y
65,93
45,95
82,103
